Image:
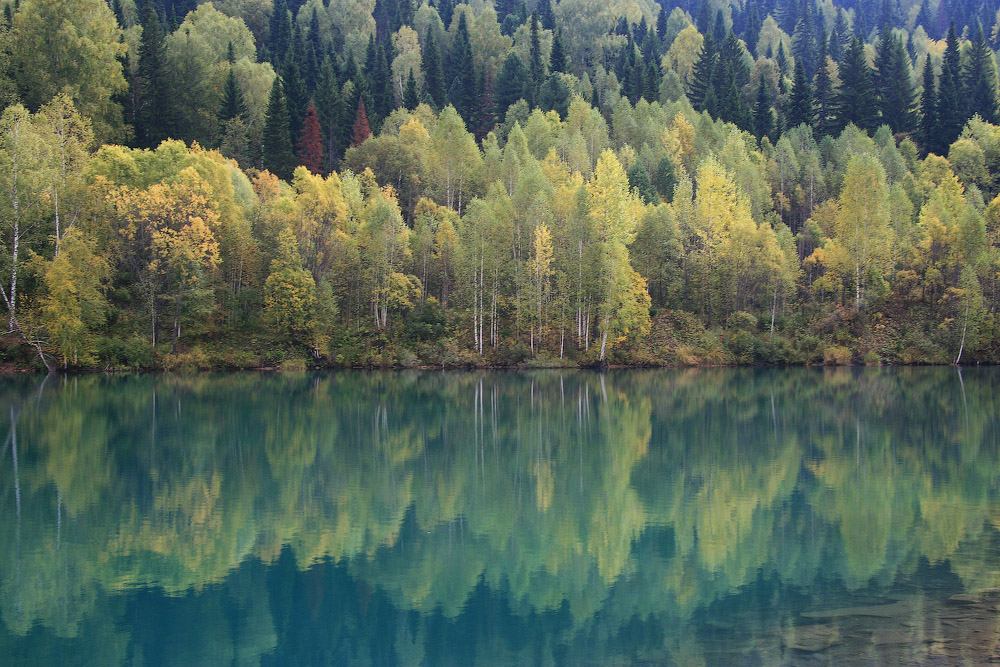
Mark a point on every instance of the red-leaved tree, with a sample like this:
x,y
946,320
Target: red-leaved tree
x,y
361,129
310,145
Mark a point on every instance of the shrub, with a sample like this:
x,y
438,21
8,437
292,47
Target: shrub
x,y
836,355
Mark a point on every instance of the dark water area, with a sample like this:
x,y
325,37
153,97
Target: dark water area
x,y
708,516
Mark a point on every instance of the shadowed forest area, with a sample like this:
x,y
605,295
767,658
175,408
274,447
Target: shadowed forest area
x,y
250,183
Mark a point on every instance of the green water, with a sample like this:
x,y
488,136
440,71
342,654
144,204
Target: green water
x,y
748,517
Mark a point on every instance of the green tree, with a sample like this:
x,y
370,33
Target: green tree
x,y
290,289
856,102
278,155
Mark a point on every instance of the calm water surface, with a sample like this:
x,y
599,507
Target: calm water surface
x,y
745,517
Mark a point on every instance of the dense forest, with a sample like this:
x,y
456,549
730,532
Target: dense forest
x,y
251,183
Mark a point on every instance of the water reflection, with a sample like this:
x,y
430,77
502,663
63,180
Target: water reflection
x,y
500,518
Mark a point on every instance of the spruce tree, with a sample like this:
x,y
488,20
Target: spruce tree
x,y
462,90
433,73
639,180
510,84
233,104
950,109
804,43
411,98
557,57
535,67
800,101
896,97
702,75
278,156
856,101
763,115
824,96
665,180
295,93
156,113
280,33
546,16
928,130
980,80
331,113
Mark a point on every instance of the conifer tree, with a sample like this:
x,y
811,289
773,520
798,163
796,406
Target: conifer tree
x,y
360,129
310,145
280,32
535,67
511,82
557,57
156,115
411,98
703,74
296,96
950,112
233,105
800,101
433,73
980,80
763,115
330,113
856,98
278,156
896,96
462,90
928,130
825,102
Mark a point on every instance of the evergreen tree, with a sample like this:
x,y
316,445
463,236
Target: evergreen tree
x,y
360,130
557,57
547,16
295,93
661,24
433,74
896,97
763,115
310,145
381,86
804,43
639,180
928,131
950,109
924,17
754,22
800,101
280,33
411,98
233,104
665,179
462,92
156,112
535,67
331,114
278,157
825,102
980,80
703,74
856,101
511,82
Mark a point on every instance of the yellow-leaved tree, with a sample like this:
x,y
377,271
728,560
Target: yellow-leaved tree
x,y
614,210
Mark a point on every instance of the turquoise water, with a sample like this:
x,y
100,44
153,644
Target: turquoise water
x,y
746,517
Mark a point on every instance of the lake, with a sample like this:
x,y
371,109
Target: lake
x,y
733,516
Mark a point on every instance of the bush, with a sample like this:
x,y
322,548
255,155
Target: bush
x,y
836,355
743,345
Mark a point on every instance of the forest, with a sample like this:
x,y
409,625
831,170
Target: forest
x,y
417,183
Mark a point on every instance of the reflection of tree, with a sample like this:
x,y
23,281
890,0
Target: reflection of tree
x,y
598,507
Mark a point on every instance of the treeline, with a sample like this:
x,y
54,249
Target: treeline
x,y
624,206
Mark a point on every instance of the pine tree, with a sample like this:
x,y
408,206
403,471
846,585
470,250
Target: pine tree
x,y
856,101
800,101
547,16
661,24
763,115
980,80
360,129
433,74
665,179
310,144
639,180
411,98
896,97
928,131
754,22
296,96
804,43
278,157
